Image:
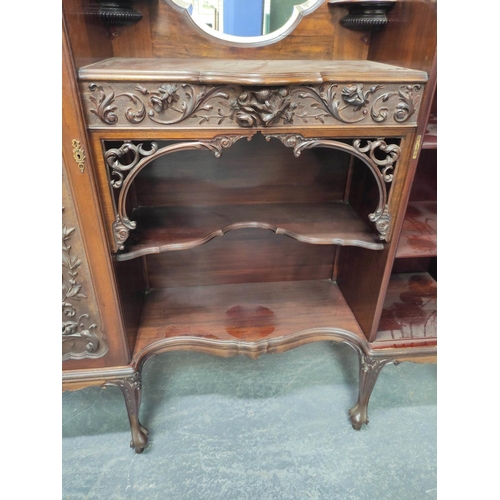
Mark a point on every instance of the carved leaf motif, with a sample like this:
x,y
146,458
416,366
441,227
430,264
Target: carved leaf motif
x,y
73,331
73,291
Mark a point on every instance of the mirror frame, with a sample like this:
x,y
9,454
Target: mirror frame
x,y
299,11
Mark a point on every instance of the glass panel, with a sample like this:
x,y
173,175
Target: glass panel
x,y
247,20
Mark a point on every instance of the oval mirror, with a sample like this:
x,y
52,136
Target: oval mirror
x,y
248,23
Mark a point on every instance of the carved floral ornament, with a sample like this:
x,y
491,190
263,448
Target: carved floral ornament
x,y
173,103
78,332
370,152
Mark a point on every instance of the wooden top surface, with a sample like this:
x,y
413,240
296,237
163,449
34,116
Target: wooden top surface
x,y
248,72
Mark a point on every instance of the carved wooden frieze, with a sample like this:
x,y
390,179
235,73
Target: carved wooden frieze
x,y
161,104
81,334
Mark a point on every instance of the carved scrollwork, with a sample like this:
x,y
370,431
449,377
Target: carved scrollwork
x,y
392,152
105,106
367,153
221,142
250,106
409,98
382,221
120,232
136,158
353,98
114,156
184,100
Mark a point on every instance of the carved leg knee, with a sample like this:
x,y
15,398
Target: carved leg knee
x,y
131,389
369,369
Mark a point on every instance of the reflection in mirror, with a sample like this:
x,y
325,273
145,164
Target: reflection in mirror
x,y
252,22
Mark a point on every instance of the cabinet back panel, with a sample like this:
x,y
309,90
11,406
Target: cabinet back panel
x,y
248,172
244,256
424,186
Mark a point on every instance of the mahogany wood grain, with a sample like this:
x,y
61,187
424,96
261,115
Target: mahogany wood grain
x,y
85,195
424,186
88,41
419,233
341,131
132,285
247,72
136,39
244,256
363,276
251,291
318,36
409,316
249,172
413,265
410,36
167,229
244,313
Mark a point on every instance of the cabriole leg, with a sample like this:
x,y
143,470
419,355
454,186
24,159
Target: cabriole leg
x,y
369,370
131,389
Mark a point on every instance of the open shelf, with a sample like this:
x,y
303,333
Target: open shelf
x,y
409,316
251,316
419,233
163,229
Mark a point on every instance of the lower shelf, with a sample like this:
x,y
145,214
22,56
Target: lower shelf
x,y
251,318
409,317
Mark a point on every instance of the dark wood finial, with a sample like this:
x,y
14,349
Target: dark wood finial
x,y
365,15
117,13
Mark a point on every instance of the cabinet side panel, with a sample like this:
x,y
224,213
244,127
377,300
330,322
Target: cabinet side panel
x,y
82,336
80,172
360,278
132,284
409,39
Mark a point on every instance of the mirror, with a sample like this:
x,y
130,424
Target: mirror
x,y
246,22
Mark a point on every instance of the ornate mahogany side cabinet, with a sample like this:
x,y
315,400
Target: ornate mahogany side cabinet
x,y
247,195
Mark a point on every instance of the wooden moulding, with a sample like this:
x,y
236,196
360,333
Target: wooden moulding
x,y
78,379
246,72
419,233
